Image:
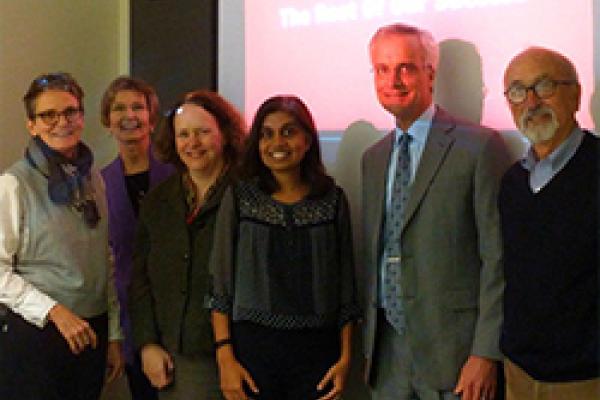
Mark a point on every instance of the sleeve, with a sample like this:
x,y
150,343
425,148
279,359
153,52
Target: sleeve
x,y
349,308
114,324
113,307
222,258
15,292
140,298
491,165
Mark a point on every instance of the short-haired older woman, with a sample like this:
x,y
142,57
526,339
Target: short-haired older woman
x,y
201,136
55,275
129,109
283,294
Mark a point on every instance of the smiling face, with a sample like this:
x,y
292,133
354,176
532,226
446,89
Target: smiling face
x,y
129,117
403,82
283,143
198,139
64,134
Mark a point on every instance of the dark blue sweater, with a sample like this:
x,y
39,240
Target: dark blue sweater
x,y
551,263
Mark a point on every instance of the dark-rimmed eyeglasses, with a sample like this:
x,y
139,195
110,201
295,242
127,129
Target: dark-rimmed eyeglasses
x,y
544,88
51,117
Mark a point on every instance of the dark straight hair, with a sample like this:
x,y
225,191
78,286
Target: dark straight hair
x,y
312,170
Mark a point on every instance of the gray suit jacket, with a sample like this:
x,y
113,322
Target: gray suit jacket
x,y
451,279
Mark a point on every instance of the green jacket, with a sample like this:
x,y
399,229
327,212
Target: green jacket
x,y
170,271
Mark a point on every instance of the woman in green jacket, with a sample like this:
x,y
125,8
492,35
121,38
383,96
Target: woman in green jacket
x,y
201,136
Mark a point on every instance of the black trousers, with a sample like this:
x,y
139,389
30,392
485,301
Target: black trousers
x,y
37,364
286,364
139,385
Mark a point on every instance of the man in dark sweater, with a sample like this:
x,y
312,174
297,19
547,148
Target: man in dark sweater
x,y
549,215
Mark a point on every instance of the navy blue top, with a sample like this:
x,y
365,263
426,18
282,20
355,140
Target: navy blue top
x,y
286,266
551,262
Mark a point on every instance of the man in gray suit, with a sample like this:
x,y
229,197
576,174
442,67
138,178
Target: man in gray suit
x,y
432,251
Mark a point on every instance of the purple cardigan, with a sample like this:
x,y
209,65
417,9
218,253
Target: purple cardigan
x,y
121,226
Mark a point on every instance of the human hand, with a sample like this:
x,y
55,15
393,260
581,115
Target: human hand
x,y
337,376
77,332
233,376
477,380
157,365
115,362
365,372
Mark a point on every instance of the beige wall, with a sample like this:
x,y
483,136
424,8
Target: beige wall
x,y
88,38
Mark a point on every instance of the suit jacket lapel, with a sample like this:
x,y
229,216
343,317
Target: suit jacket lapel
x,y
174,196
379,177
436,147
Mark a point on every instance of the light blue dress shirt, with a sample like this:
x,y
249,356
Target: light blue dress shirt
x,y
542,171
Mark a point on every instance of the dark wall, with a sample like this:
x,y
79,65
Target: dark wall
x,y
174,45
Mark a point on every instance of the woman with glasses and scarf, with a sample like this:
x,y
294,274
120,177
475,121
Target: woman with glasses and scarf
x,y
61,329
201,136
129,109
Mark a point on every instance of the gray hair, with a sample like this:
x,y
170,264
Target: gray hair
x,y
431,50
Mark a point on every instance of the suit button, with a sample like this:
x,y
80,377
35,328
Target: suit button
x,y
186,256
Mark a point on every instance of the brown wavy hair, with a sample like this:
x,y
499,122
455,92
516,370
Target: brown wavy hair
x,y
230,122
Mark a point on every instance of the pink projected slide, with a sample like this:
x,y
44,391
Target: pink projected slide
x,y
317,49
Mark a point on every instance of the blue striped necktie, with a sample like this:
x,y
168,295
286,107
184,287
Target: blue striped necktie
x,y
394,309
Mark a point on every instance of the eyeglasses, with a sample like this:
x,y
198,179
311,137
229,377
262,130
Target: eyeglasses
x,y
59,81
47,79
51,117
544,88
